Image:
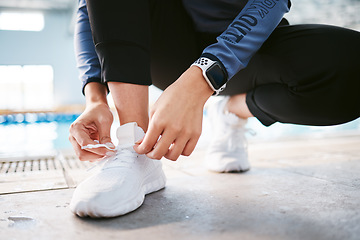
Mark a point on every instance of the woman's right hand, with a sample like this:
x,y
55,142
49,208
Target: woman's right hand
x,y
92,125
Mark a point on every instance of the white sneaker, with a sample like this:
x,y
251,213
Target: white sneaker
x,y
120,185
227,151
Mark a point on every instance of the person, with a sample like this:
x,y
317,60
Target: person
x,y
301,74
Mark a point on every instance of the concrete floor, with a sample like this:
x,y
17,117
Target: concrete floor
x,y
296,189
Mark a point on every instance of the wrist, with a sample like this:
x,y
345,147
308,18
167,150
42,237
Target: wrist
x,y
194,83
95,93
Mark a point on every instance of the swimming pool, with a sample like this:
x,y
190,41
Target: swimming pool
x,y
34,133
45,133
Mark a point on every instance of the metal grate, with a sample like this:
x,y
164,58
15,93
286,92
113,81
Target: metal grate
x,y
72,162
29,165
41,173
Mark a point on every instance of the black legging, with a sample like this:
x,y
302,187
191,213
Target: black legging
x,y
303,74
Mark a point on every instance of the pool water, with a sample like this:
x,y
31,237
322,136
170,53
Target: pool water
x,y
34,133
51,135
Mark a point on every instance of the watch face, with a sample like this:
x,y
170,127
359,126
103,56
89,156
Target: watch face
x,y
216,76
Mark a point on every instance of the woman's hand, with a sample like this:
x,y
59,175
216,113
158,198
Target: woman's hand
x,y
93,124
176,118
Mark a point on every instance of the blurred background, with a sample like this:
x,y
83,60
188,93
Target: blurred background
x,y
40,93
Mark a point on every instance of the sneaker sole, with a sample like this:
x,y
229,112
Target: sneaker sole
x,y
231,167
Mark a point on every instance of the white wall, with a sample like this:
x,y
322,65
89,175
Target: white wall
x,y
52,46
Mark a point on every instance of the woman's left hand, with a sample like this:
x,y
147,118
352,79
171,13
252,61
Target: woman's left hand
x,y
176,118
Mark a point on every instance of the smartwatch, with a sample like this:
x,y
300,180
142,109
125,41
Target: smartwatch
x,y
213,73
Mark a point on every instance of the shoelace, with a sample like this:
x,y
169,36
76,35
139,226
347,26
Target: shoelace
x,y
124,156
98,145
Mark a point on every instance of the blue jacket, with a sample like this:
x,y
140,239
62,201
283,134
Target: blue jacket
x,y
244,35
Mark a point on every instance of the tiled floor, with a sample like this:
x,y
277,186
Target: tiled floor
x,y
296,189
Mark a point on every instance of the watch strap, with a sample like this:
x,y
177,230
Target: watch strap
x,y
205,63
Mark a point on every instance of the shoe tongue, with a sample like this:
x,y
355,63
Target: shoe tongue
x,y
129,133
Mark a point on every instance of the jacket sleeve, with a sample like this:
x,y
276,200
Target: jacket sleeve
x,y
246,34
86,57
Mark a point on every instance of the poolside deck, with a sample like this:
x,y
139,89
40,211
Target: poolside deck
x,y
296,189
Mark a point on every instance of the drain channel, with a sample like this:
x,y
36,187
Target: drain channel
x,y
40,173
28,165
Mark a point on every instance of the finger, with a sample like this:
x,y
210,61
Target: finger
x,y
190,146
162,146
149,141
104,135
176,149
80,133
82,137
83,155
